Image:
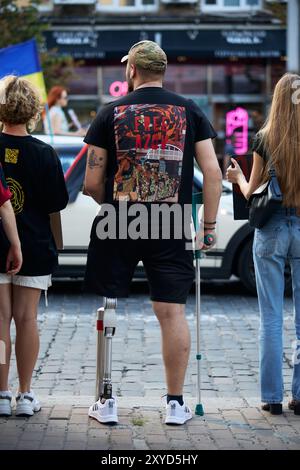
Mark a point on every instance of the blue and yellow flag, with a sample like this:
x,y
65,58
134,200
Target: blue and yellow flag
x,y
23,60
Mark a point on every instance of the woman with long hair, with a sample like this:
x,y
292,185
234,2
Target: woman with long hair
x,y
57,100
35,178
277,144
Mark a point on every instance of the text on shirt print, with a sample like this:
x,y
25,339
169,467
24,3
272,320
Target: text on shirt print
x,y
17,199
11,155
150,142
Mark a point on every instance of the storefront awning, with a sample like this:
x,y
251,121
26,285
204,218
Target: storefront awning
x,y
196,44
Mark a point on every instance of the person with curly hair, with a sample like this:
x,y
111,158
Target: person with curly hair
x,y
35,178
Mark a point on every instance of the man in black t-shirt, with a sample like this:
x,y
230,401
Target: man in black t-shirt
x,y
141,158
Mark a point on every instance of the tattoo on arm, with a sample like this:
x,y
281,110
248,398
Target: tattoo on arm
x,y
94,161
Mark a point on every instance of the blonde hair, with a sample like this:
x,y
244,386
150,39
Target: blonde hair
x,y
280,136
19,102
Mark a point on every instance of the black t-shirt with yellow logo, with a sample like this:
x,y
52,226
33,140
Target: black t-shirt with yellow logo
x,y
35,178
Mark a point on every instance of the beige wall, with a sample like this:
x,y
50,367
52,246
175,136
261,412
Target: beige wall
x,y
23,3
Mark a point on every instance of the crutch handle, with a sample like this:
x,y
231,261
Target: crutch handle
x,y
209,239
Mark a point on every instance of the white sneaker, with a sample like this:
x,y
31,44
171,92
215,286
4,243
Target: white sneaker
x,y
106,412
177,414
27,404
5,403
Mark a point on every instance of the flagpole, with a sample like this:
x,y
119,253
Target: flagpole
x,y
49,123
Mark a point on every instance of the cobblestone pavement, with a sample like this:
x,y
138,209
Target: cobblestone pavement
x,y
64,378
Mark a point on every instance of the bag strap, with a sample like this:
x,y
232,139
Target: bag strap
x,y
274,180
272,172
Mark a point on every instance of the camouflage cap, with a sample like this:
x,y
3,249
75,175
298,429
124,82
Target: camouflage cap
x,y
148,56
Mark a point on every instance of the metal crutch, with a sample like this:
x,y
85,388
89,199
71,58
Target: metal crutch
x,y
106,327
197,201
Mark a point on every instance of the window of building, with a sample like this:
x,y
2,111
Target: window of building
x,y
113,81
83,81
182,79
186,79
277,71
227,5
83,91
127,5
229,79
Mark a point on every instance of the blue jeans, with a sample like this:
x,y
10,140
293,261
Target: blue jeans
x,y
274,244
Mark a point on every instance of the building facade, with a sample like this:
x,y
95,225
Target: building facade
x,y
224,54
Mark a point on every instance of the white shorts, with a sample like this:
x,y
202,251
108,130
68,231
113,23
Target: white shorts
x,y
36,282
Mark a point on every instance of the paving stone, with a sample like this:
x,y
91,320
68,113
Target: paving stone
x,y
66,370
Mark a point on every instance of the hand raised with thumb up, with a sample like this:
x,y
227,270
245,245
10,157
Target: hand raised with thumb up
x,y
234,174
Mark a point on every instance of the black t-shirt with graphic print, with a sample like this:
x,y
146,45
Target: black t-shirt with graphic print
x,y
35,178
150,137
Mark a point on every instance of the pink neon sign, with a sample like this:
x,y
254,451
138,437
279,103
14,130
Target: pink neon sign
x,y
118,88
237,125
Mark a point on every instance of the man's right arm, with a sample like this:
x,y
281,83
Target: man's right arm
x,y
95,175
99,140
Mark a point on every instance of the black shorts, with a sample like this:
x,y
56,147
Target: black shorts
x,y
168,265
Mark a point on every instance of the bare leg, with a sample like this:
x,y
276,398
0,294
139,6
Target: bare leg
x,y
25,306
5,321
176,343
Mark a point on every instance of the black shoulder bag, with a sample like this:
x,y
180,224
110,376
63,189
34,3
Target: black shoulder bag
x,y
264,201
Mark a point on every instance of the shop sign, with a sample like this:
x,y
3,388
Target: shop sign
x,y
118,88
199,44
244,37
237,126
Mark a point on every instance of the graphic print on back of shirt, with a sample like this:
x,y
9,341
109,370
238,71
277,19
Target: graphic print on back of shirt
x,y
11,155
18,196
150,142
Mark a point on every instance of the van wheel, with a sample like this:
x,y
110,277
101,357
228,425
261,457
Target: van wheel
x,y
246,271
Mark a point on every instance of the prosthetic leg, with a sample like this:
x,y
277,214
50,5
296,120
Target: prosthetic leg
x,y
105,408
106,327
